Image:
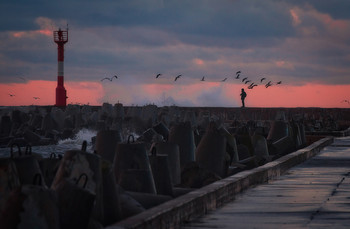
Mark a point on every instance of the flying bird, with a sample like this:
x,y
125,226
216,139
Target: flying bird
x,y
106,78
202,79
247,81
11,95
21,78
268,84
252,85
158,75
224,80
237,74
177,77
36,98
262,79
244,79
110,79
279,82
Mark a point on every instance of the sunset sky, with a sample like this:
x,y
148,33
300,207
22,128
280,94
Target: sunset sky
x,y
304,44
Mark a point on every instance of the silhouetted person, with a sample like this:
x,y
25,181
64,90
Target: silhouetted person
x,y
243,95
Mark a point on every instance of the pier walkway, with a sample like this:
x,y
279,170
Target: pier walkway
x,y
314,194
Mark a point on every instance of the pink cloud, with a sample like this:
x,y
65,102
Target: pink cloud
x,y
23,34
198,61
284,64
295,16
338,28
46,28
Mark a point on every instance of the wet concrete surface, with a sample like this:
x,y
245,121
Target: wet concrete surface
x,y
314,194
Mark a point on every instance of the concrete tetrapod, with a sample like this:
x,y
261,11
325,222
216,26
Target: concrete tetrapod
x,y
161,172
231,146
211,151
75,163
111,197
106,143
280,135
75,203
173,152
31,206
161,129
8,180
49,167
28,169
261,150
182,134
132,168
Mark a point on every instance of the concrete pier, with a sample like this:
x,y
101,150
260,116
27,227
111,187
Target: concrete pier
x,y
174,213
314,194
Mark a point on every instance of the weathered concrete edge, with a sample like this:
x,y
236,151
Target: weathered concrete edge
x,y
197,203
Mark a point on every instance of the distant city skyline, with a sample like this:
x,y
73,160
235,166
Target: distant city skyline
x,y
305,45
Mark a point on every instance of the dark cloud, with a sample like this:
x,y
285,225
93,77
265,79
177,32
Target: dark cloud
x,y
337,9
137,39
226,19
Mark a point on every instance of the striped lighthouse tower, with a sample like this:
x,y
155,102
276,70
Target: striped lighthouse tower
x,y
60,38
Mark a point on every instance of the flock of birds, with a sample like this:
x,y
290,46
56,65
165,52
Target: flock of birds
x,y
245,80
11,95
20,77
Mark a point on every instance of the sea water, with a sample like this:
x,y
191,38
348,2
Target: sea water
x,y
62,145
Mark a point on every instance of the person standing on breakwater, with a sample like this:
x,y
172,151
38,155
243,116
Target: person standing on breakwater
x,y
243,95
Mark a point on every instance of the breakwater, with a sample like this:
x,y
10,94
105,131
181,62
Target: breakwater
x,y
140,157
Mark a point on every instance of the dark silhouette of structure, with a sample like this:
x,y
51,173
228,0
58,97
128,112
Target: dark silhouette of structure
x,y
60,38
243,95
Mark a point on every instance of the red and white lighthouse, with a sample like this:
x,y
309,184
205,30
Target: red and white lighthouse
x,y
60,38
